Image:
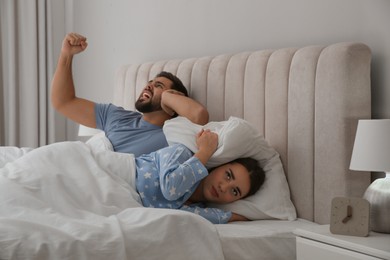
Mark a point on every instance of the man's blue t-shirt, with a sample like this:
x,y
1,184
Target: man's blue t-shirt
x,y
128,131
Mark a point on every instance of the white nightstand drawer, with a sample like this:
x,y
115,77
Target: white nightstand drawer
x,y
308,250
319,244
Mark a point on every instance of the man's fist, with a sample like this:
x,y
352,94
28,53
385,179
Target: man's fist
x,y
74,43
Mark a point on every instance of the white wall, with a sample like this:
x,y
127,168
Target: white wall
x,y
134,31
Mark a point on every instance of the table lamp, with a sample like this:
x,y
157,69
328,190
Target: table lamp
x,y
371,152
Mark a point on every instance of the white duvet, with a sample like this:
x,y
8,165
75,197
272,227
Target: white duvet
x,y
64,201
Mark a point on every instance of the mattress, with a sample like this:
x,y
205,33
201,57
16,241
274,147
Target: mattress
x,y
262,239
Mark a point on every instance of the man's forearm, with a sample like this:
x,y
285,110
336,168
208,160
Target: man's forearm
x,y
187,107
63,90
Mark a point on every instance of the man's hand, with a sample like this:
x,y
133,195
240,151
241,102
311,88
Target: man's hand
x,y
73,43
164,104
173,102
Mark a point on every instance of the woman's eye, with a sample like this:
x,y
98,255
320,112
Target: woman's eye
x,y
228,175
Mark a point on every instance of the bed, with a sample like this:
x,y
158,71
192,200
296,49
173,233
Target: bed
x,y
301,104
305,102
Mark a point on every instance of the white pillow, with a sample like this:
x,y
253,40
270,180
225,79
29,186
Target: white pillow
x,y
237,139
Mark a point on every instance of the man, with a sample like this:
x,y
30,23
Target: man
x,y
129,131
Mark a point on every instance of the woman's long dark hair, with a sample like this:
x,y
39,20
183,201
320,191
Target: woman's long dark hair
x,y
256,173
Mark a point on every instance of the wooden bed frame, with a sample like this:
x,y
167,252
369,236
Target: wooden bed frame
x,y
305,101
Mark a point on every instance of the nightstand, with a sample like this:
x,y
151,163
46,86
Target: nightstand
x,y
319,244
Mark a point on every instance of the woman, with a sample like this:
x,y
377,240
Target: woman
x,y
174,177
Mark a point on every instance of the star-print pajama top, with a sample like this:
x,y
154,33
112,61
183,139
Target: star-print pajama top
x,y
168,177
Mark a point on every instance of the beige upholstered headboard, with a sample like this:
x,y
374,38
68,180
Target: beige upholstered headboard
x,y
305,101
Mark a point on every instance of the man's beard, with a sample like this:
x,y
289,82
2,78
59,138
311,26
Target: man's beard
x,y
147,107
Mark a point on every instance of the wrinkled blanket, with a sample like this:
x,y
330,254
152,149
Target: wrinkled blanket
x,y
64,201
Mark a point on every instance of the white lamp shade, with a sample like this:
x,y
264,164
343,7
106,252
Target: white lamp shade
x,y
88,131
371,151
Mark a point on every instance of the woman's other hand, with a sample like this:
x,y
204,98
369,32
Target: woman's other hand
x,y
237,217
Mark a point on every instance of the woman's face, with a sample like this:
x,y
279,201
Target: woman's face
x,y
227,183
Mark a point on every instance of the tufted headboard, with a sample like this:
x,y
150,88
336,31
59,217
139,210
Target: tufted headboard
x,y
305,101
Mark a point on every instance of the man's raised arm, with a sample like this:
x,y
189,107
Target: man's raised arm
x,y
63,95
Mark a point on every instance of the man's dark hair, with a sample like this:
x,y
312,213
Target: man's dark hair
x,y
256,173
176,82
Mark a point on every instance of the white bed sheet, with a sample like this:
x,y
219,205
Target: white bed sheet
x,y
11,153
63,201
124,229
261,239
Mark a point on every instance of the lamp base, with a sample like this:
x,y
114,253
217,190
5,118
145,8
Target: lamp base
x,y
378,194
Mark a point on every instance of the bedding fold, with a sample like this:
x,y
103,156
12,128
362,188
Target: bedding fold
x,y
65,201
